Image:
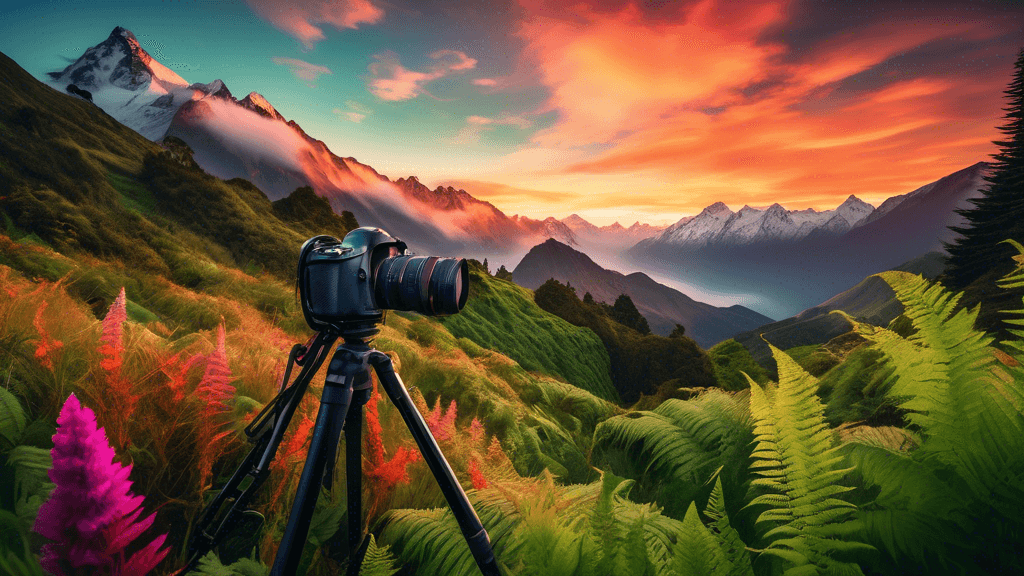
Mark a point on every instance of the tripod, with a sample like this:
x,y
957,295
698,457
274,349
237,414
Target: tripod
x,y
347,387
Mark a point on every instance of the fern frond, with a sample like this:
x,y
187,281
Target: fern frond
x,y
378,560
944,376
915,514
677,446
12,418
728,538
799,469
210,565
698,553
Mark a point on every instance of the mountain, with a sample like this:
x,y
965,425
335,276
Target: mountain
x,y
614,234
250,139
663,307
718,225
871,301
791,260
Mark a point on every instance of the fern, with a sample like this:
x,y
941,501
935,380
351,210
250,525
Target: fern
x,y
210,565
32,486
698,553
378,560
729,539
677,446
12,419
799,470
1015,279
958,498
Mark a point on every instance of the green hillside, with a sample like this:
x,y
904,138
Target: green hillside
x,y
502,316
641,364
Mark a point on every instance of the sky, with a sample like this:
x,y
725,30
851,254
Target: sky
x,y
613,110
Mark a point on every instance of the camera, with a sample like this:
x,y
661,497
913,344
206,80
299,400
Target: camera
x,y
346,285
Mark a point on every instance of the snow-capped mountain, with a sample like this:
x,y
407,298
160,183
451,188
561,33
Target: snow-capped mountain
x,y
791,260
250,139
718,225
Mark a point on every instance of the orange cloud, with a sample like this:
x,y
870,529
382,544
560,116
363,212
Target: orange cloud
x,y
302,18
709,103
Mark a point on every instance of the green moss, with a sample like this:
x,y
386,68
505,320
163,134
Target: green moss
x,y
731,360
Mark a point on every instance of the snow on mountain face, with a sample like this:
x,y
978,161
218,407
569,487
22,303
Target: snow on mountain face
x,y
718,225
127,83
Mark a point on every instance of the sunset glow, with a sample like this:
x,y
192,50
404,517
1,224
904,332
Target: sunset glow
x,y
613,110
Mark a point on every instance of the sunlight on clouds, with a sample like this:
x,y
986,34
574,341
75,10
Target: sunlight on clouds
x,y
301,19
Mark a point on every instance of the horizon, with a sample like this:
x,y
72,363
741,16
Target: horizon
x,y
547,114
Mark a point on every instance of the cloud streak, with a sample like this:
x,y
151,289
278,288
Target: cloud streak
x,y
392,82
303,70
304,19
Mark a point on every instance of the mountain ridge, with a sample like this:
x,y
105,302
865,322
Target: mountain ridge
x,y
664,307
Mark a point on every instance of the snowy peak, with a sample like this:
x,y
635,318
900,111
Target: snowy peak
x,y
854,210
719,225
258,104
216,89
717,209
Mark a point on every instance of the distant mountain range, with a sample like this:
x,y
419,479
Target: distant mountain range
x,y
250,139
717,225
791,260
612,235
663,307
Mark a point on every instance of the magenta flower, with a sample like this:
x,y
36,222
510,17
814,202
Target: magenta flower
x,y
91,515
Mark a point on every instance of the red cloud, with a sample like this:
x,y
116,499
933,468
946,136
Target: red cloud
x,y
302,18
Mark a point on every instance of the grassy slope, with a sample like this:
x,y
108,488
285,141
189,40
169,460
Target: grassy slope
x,y
502,316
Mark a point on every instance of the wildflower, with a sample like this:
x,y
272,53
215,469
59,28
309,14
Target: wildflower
x,y
214,390
476,431
46,345
111,344
476,476
91,516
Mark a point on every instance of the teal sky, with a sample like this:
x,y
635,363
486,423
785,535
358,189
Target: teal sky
x,y
614,109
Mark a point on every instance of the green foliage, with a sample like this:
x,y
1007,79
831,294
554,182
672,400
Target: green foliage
x,y
798,470
378,560
815,359
503,317
731,361
624,312
12,419
956,500
674,449
640,364
976,259
210,565
729,539
311,214
854,391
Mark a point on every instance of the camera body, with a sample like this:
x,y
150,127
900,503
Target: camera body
x,y
345,286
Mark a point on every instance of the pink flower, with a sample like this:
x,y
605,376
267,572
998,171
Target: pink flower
x,y
91,515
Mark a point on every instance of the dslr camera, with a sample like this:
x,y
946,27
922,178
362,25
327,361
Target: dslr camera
x,y
345,286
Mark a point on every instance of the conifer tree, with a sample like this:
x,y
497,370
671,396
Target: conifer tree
x,y
998,214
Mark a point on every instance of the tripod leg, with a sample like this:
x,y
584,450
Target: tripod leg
x,y
354,466
326,433
472,529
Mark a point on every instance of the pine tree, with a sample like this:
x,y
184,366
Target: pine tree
x,y
977,257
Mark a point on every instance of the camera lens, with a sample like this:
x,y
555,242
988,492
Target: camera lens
x,y
425,284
